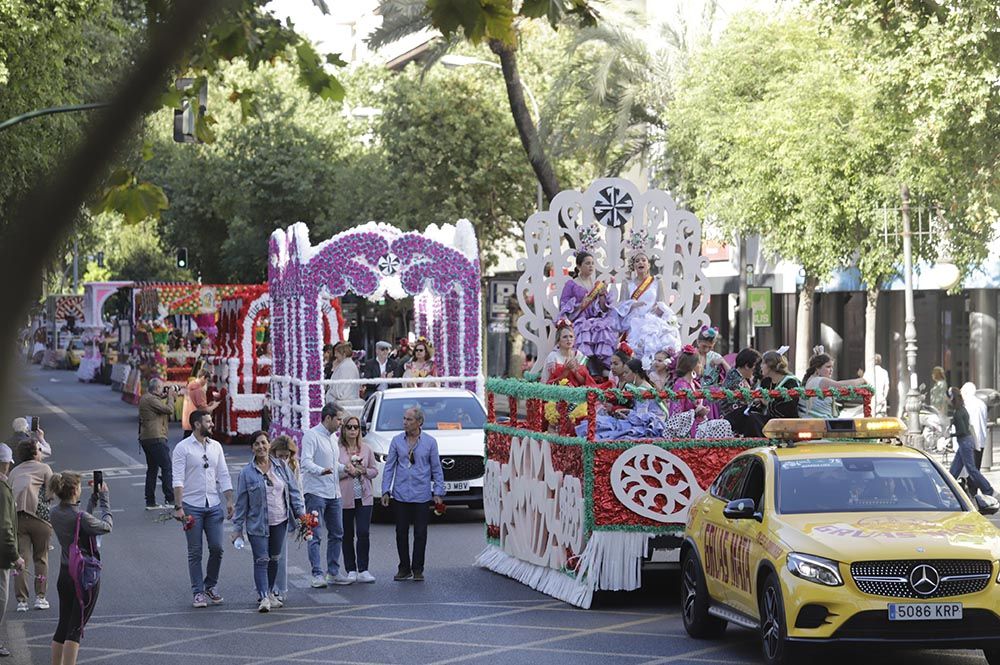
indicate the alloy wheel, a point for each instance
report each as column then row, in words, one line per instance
column 771, row 627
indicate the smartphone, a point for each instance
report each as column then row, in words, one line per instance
column 98, row 481
column 34, row 423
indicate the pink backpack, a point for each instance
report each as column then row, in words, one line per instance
column 84, row 569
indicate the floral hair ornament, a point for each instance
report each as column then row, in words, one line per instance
column 426, row 344
column 708, row 333
column 590, row 236
column 626, row 349
column 564, row 323
column 688, row 348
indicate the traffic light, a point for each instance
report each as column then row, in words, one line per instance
column 182, row 257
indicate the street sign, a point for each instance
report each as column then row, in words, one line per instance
column 500, row 293
column 759, row 301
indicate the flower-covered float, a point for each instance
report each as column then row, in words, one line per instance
column 567, row 511
column 439, row 268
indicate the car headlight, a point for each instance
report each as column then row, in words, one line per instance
column 381, row 457
column 815, row 569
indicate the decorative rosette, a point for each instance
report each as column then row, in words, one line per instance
column 590, row 236
column 638, row 241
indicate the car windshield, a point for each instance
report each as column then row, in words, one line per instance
column 439, row 412
column 862, row 485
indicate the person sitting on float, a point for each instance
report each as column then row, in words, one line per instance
column 586, row 303
column 659, row 373
column 422, row 364
column 819, row 376
column 648, row 324
column 687, row 368
column 774, row 375
column 741, row 377
column 619, row 358
column 566, row 364
column 643, row 420
column 714, row 366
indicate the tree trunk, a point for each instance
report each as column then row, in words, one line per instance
column 871, row 311
column 522, row 120
column 47, row 213
column 804, row 326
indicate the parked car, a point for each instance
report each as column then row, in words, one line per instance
column 454, row 417
column 75, row 351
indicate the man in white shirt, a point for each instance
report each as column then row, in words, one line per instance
column 878, row 379
column 321, row 469
column 978, row 419
column 200, row 474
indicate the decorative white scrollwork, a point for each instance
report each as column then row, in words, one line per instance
column 654, row 483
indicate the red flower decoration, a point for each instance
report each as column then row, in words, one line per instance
column 626, row 349
column 688, row 348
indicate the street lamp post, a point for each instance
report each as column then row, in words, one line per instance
column 911, row 408
column 455, row 61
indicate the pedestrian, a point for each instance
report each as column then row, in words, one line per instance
column 343, row 369
column 403, row 355
column 268, row 504
column 412, row 478
column 284, row 449
column 978, row 419
column 878, row 379
column 965, row 456
column 321, row 485
column 200, row 475
column 358, row 462
column 196, row 398
column 71, row 526
column 155, row 408
column 380, row 367
column 22, row 431
column 10, row 556
column 28, row 481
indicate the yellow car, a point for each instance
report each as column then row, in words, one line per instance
column 838, row 535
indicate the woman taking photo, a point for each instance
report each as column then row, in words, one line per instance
column 285, row 450
column 268, row 504
column 28, row 481
column 71, row 525
column 356, row 489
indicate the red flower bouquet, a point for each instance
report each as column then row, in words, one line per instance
column 307, row 523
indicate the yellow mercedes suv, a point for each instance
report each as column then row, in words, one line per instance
column 836, row 534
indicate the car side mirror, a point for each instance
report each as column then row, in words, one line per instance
column 740, row 509
column 987, row 505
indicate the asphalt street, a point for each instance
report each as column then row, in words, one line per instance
column 461, row 614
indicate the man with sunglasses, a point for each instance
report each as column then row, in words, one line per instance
column 413, row 477
column 200, row 474
column 321, row 471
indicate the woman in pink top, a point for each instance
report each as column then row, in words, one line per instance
column 687, row 367
column 356, row 489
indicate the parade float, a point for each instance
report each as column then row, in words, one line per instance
column 242, row 364
column 95, row 294
column 568, row 513
column 439, row 268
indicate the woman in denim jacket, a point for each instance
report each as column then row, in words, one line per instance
column 268, row 503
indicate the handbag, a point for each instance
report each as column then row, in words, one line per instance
column 42, row 510
column 84, row 568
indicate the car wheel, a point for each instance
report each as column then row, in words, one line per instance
column 694, row 601
column 773, row 633
column 992, row 656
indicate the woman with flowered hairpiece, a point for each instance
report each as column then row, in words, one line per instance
column 648, row 324
column 586, row 303
column 713, row 366
column 566, row 364
column 645, row 419
column 422, row 363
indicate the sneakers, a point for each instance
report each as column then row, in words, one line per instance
column 279, row 597
column 214, row 596
column 4, row 651
column 353, row 576
column 418, row 576
column 154, row 507
column 318, row 582
column 265, row 605
column 41, row 603
column 403, row 574
column 364, row 577
column 275, row 601
column 200, row 600
column 22, row 606
column 339, row 579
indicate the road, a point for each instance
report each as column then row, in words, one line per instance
column 461, row 614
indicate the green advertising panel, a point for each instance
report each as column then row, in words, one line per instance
column 759, row 300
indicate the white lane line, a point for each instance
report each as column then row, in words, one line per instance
column 117, row 453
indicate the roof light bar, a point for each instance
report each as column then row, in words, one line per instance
column 797, row 429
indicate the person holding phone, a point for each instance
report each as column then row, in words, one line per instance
column 321, row 470
column 28, row 481
column 30, row 428
column 155, row 408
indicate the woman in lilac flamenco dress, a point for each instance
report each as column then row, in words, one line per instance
column 587, row 304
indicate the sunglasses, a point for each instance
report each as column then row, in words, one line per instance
column 205, row 459
column 352, row 427
column 267, row 479
column 412, row 460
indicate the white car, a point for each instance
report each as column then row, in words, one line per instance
column 452, row 416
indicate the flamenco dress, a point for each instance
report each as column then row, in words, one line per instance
column 650, row 326
column 594, row 325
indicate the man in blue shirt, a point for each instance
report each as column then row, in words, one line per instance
column 413, row 477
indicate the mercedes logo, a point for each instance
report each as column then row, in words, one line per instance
column 449, row 463
column 924, row 579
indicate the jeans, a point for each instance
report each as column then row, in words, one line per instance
column 157, row 461
column 331, row 518
column 4, row 593
column 417, row 514
column 207, row 521
column 965, row 456
column 358, row 518
column 281, row 577
column 267, row 551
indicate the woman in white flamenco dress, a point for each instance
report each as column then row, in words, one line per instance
column 649, row 324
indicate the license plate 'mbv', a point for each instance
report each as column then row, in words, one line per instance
column 924, row 611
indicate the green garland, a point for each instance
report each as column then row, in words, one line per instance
column 545, row 436
column 666, row 444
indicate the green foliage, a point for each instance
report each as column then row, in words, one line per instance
column 132, row 251
column 485, row 20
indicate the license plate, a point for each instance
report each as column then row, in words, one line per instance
column 924, row 611
column 457, row 486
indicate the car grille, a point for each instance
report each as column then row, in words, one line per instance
column 464, row 467
column 957, row 577
column 875, row 624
